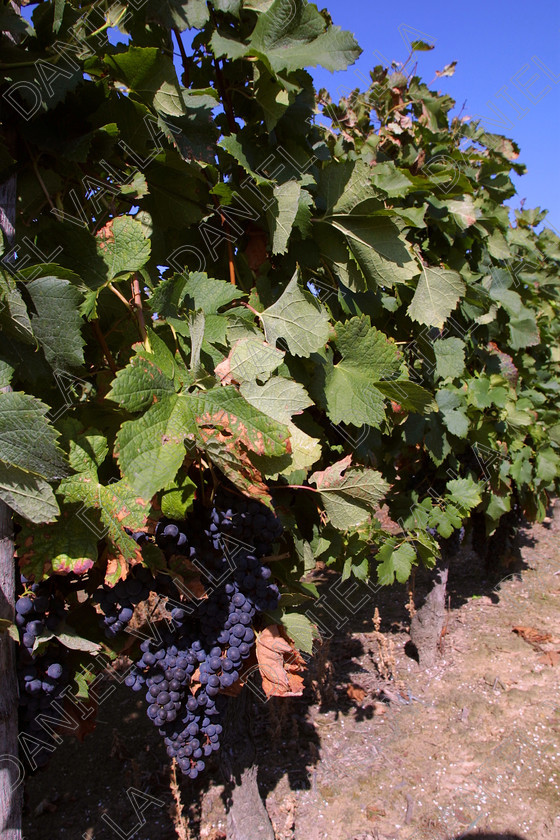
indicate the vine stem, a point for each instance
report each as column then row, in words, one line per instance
column 120, row 296
column 222, row 89
column 107, row 25
column 184, row 56
column 251, row 309
column 223, row 221
column 103, row 344
column 137, row 295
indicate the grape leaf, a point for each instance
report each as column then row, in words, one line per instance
column 281, row 398
column 249, row 359
column 300, row 630
column 409, row 395
column 278, row 397
column 151, row 448
column 394, row 562
column 123, row 246
column 349, row 494
column 57, row 322
column 292, row 34
column 367, row 356
column 450, row 357
column 59, row 548
column 437, row 294
column 139, row 384
column 283, row 213
column 280, row 664
column 177, row 498
column 207, row 293
column 299, row 319
column 453, row 412
column 28, row 441
column 29, row 495
column 378, row 248
column 464, row 492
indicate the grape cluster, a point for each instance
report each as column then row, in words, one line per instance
column 201, row 654
column 42, row 677
column 117, row 603
column 37, row 610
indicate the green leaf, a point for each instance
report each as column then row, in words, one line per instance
column 452, row 409
column 367, row 356
column 292, row 34
column 394, row 562
column 410, row 395
column 343, row 186
column 59, row 548
column 6, row 373
column 278, row 397
column 437, row 294
column 207, row 293
column 450, row 357
column 139, row 384
column 464, row 492
column 299, row 319
column 29, row 495
column 151, row 76
column 349, row 494
column 300, row 630
column 123, row 246
column 18, row 321
column 548, row 465
column 152, row 448
column 421, row 46
column 177, row 498
column 283, row 213
column 196, row 323
column 394, row 182
column 28, row 441
column 281, row 398
column 378, row 248
column 251, row 359
column 524, row 331
column 57, row 322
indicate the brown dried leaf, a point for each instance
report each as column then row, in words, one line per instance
column 223, row 371
column 280, row 664
column 356, row 692
column 531, row 635
column 118, row 567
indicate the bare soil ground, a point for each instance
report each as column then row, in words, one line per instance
column 467, row 749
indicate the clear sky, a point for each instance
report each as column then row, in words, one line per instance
column 508, row 70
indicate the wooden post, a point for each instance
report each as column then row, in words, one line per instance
column 247, row 818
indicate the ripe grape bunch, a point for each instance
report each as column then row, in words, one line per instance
column 42, row 677
column 117, row 603
column 201, row 654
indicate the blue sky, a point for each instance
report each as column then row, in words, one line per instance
column 508, row 71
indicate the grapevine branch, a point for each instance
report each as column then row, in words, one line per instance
column 103, row 344
column 137, row 296
column 184, row 56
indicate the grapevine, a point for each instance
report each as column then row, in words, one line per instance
column 237, row 319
